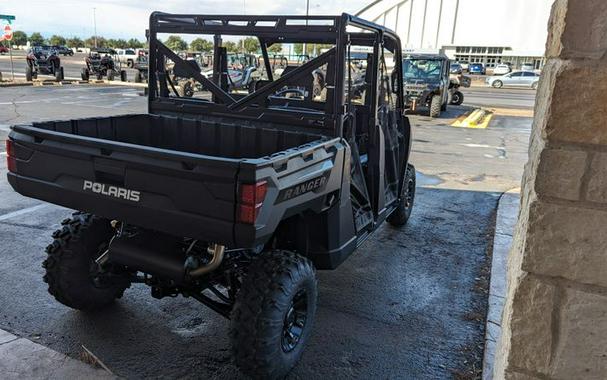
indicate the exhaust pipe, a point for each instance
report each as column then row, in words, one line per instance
column 160, row 255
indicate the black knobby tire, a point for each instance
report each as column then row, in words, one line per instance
column 28, row 73
column 84, row 74
column 59, row 74
column 138, row 78
column 457, row 98
column 71, row 273
column 269, row 314
column 99, row 76
column 186, row 89
column 110, row 74
column 122, row 76
column 435, row 106
column 402, row 213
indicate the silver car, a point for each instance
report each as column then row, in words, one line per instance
column 515, row 79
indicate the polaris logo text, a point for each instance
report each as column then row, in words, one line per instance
column 112, row 191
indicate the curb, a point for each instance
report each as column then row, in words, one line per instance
column 507, row 216
column 50, row 82
column 23, row 359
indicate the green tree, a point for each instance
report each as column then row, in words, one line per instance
column 74, row 42
column 176, row 43
column 90, row 42
column 19, row 38
column 56, row 40
column 251, row 44
column 117, row 44
column 36, row 39
column 200, row 44
column 275, row 48
column 135, row 43
column 230, row 46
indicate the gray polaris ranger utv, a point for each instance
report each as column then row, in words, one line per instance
column 230, row 198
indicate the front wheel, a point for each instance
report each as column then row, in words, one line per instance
column 498, row 84
column 72, row 275
column 29, row 75
column 435, row 106
column 400, row 216
column 122, row 76
column 273, row 314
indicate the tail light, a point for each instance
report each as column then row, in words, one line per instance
column 251, row 198
column 11, row 161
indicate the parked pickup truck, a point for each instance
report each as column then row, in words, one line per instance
column 127, row 57
column 231, row 198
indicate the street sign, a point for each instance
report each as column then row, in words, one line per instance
column 8, row 33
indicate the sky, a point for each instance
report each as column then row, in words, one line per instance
column 129, row 18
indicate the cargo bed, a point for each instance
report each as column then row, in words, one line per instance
column 150, row 170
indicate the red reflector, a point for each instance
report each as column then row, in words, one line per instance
column 11, row 161
column 251, row 199
column 11, row 164
column 9, row 148
column 252, row 194
column 248, row 214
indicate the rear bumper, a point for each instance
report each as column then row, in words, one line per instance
column 171, row 221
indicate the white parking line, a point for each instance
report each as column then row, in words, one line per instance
column 22, row 212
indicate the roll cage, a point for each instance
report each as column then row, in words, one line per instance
column 326, row 117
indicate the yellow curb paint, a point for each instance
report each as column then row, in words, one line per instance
column 478, row 119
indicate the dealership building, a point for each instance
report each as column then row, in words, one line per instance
column 485, row 31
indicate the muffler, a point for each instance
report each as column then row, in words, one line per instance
column 160, row 255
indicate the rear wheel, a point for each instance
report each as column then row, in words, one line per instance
column 435, row 106
column 457, row 98
column 110, row 74
column 122, row 76
column 84, row 73
column 401, row 214
column 138, row 78
column 72, row 275
column 273, row 314
column 498, row 84
column 99, row 76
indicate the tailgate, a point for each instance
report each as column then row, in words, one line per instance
column 175, row 192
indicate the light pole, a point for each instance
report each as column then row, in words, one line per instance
column 95, row 26
column 305, row 50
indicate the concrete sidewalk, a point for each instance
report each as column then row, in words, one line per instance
column 507, row 215
column 24, row 359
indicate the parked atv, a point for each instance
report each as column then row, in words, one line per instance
column 141, row 65
column 235, row 200
column 456, row 97
column 43, row 60
column 103, row 63
column 426, row 82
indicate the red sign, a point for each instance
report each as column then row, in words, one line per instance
column 8, row 32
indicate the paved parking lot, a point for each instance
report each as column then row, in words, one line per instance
column 408, row 304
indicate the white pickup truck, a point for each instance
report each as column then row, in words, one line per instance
column 127, row 56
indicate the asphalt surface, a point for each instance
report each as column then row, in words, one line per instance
column 410, row 303
column 515, row 98
column 72, row 66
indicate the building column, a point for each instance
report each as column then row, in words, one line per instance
column 555, row 319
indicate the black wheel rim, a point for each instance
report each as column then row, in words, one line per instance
column 295, row 321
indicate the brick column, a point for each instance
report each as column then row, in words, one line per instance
column 555, row 319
